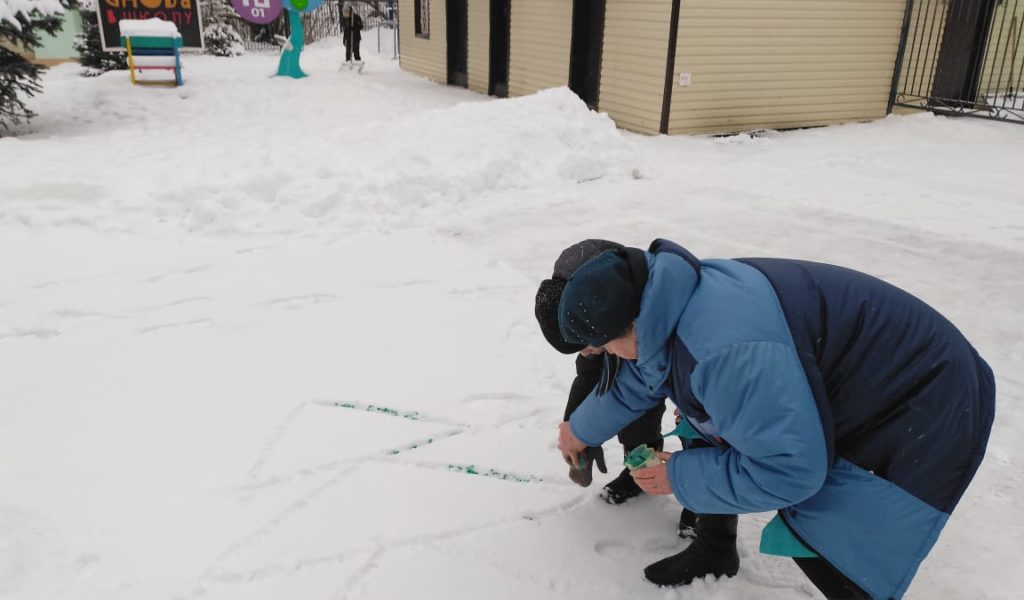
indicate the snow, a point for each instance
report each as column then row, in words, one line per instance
column 148, row 27
column 154, row 61
column 267, row 338
column 10, row 9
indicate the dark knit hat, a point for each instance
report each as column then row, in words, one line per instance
column 602, row 297
column 549, row 294
column 575, row 256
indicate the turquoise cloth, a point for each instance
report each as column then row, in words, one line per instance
column 684, row 430
column 778, row 539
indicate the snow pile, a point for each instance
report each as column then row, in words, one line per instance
column 425, row 165
column 152, row 27
column 346, row 156
column 10, row 9
column 549, row 137
column 410, row 169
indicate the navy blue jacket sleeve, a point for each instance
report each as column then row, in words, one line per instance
column 600, row 417
column 758, row 398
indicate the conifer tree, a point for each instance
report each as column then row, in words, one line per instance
column 21, row 23
column 90, row 48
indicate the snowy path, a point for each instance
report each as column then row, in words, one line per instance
column 275, row 339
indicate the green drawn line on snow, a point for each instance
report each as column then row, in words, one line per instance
column 503, row 475
column 411, row 415
column 422, row 442
column 373, row 408
column 411, row 446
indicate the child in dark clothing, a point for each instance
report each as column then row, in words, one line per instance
column 713, row 550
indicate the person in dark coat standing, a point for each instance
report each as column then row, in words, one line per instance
column 852, row 408
column 351, row 32
column 712, row 550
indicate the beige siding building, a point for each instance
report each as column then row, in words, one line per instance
column 636, row 38
column 772, row 64
column 668, row 66
column 539, row 49
column 423, row 52
column 478, row 44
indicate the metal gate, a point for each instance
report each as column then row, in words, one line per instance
column 320, row 23
column 962, row 57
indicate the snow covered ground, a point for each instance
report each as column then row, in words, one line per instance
column 264, row 338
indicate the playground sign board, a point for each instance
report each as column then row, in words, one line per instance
column 260, row 12
column 184, row 14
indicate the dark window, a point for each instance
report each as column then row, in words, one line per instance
column 422, row 10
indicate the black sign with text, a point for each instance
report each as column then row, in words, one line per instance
column 184, row 14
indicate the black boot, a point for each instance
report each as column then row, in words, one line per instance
column 687, row 525
column 712, row 553
column 621, row 488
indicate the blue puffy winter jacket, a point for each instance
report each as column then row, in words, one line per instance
column 848, row 405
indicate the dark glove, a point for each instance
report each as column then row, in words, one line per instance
column 583, row 475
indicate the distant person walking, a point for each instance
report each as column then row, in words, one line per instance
column 351, row 33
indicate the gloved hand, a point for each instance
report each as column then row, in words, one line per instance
column 582, row 473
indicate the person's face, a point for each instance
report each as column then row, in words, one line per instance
column 624, row 346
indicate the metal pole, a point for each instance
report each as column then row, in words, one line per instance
column 916, row 50
column 1009, row 38
column 1020, row 75
column 989, row 45
column 898, row 69
column 931, row 68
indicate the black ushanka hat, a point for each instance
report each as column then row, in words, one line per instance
column 545, row 308
column 549, row 294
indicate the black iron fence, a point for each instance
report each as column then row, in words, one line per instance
column 320, row 23
column 963, row 57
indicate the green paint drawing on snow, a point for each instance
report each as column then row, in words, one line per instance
column 416, row 445
column 504, row 476
column 383, row 410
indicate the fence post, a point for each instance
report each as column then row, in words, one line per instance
column 898, row 70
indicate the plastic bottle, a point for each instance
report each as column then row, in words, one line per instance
column 641, row 457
